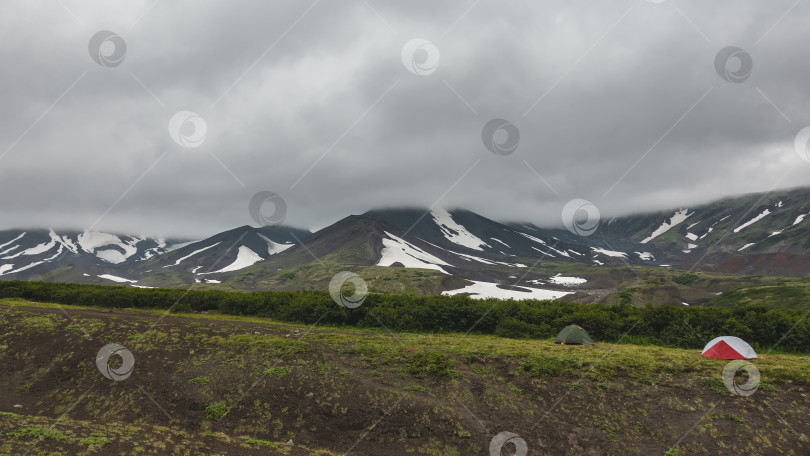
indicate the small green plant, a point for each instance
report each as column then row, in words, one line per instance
column 736, row 418
column 277, row 371
column 95, row 438
column 715, row 385
column 573, row 386
column 198, row 381
column 433, row 363
column 216, row 410
column 38, row 433
column 672, row 452
column 417, row 388
column 261, row 443
column 686, row 279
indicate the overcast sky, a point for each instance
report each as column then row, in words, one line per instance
column 327, row 105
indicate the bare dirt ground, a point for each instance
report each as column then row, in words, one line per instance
column 332, row 391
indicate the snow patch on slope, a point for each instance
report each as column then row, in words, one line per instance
column 13, row 240
column 116, row 278
column 610, row 253
column 194, row 253
column 397, row 250
column 677, row 218
column 752, row 221
column 244, row 258
column 454, row 232
column 559, row 279
column 484, row 290
column 274, row 247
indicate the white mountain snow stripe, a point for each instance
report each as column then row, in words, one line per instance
column 529, row 236
column 691, row 236
column 752, row 221
column 484, row 290
column 5, row 268
column 746, row 246
column 25, row 268
column 273, row 247
column 39, row 248
column 799, row 219
column 560, row 279
column 645, row 256
column 494, row 239
column 544, row 253
column 10, row 249
column 195, row 252
column 454, row 232
column 99, row 244
column 397, row 250
column 677, row 218
column 478, row 259
column 610, row 253
column 13, row 240
column 116, row 278
column 244, row 258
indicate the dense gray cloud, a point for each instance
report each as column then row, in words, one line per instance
column 313, row 102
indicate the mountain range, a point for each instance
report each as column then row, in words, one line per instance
column 433, row 251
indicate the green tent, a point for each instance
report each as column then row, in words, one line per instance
column 573, row 335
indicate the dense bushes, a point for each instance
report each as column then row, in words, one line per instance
column 688, row 327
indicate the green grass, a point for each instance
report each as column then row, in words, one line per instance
column 216, row 410
column 278, row 371
column 96, row 438
column 37, row 433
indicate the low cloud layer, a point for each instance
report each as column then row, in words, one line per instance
column 617, row 102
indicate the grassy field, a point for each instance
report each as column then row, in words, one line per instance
column 214, row 384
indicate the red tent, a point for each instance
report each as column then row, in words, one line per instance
column 728, row 347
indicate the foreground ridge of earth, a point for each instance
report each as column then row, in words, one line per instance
column 210, row 385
